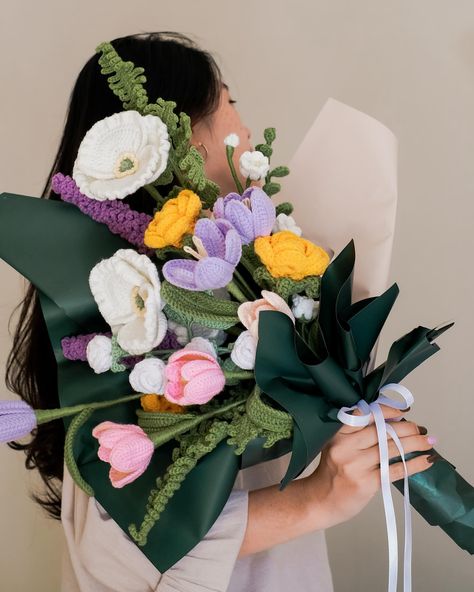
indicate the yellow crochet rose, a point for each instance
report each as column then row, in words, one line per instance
column 177, row 217
column 159, row 403
column 285, row 254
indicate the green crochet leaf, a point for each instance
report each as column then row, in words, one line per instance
column 279, row 171
column 271, row 188
column 269, row 134
column 182, row 136
column 284, row 208
column 265, row 149
column 126, row 81
column 199, row 307
column 165, row 111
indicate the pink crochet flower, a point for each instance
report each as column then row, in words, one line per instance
column 126, row 447
column 194, row 377
column 248, row 311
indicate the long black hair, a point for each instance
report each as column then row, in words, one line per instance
column 176, row 69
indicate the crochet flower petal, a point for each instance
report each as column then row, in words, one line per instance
column 201, row 389
column 195, row 367
column 212, row 272
column 263, row 212
column 233, row 247
column 180, row 272
column 131, row 453
column 212, row 238
column 109, row 433
column 240, row 216
column 119, row 479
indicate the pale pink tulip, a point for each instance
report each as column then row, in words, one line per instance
column 126, row 447
column 248, row 311
column 193, row 377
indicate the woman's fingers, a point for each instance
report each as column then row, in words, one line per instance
column 368, row 437
column 371, row 456
column 414, row 465
column 388, row 413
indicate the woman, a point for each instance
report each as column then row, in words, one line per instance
column 264, row 538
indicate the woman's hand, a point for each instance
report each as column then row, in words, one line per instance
column 348, row 475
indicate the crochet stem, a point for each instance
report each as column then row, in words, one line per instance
column 234, row 289
column 45, row 415
column 71, row 464
column 239, row 375
column 156, row 195
column 244, row 284
column 169, row 433
column 229, row 150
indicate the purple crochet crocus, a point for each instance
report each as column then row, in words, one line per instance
column 17, row 419
column 115, row 214
column 252, row 214
column 219, row 249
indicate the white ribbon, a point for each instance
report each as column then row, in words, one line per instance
column 383, row 427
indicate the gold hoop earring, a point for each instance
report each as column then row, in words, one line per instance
column 205, row 150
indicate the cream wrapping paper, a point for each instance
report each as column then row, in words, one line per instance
column 343, row 184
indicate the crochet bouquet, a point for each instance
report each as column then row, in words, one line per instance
column 201, row 340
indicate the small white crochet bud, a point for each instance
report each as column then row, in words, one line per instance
column 254, row 165
column 232, row 140
column 148, row 376
column 285, row 222
column 244, row 351
column 304, row 308
column 99, row 353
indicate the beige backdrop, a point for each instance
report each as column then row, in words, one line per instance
column 409, row 64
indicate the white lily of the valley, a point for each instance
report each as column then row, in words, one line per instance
column 254, row 165
column 126, row 288
column 286, row 222
column 232, row 140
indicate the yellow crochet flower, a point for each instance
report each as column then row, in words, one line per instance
column 285, row 254
column 176, row 218
column 158, row 403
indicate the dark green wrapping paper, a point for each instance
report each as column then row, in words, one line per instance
column 55, row 246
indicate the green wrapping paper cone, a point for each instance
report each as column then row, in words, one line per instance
column 313, row 383
column 55, row 246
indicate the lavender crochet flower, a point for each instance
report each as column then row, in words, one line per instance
column 252, row 214
column 17, row 419
column 219, row 249
column 117, row 215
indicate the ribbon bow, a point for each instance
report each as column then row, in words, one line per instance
column 384, row 428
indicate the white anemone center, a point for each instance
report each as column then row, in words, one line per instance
column 127, row 164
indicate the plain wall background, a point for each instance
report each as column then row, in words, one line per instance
column 409, row 64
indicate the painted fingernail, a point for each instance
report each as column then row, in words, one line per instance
column 405, row 410
column 432, row 439
column 432, row 458
column 423, row 430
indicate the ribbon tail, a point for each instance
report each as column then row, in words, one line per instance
column 387, row 498
column 407, row 554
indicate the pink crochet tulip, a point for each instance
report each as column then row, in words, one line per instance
column 194, row 377
column 248, row 311
column 126, row 447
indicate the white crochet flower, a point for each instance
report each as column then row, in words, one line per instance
column 148, row 376
column 202, row 345
column 99, row 353
column 254, row 165
column 285, row 222
column 244, row 350
column 126, row 288
column 304, row 307
column 232, row 140
column 120, row 154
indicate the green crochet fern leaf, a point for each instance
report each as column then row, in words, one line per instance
column 127, row 80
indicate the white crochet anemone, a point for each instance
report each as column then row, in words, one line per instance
column 120, row 154
column 126, row 288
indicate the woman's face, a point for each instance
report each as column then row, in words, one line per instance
column 224, row 121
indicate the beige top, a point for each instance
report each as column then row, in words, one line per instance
column 351, row 162
column 100, row 557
